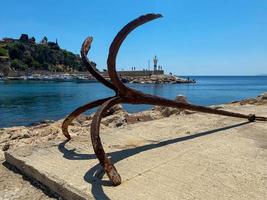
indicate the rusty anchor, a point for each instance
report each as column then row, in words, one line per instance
column 124, row 94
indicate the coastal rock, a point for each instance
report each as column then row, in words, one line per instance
column 114, row 117
column 132, row 119
column 43, row 122
column 263, row 96
column 168, row 111
column 82, row 118
column 262, row 99
column 49, row 131
column 22, row 134
column 181, row 98
column 47, row 121
column 114, row 120
column 259, row 100
column 116, row 109
column 6, row 147
column 158, row 79
column 119, row 124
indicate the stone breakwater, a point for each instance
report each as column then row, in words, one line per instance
column 158, row 79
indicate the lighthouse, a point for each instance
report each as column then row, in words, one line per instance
column 155, row 60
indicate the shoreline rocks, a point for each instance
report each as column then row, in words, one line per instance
column 158, row 79
column 49, row 131
column 259, row 100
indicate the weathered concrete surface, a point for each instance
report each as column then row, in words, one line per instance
column 180, row 157
column 14, row 186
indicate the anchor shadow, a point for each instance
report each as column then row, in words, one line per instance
column 95, row 174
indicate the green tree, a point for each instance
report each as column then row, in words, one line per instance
column 18, row 65
column 35, row 65
column 27, row 58
column 25, row 55
column 16, row 50
column 3, row 52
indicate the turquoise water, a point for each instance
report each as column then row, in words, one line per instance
column 23, row 103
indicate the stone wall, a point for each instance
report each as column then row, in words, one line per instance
column 137, row 73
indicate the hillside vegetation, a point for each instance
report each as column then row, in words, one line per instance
column 25, row 54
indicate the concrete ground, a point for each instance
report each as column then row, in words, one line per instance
column 14, row 186
column 196, row 156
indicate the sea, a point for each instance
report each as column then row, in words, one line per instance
column 28, row 102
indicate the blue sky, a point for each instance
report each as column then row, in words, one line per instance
column 207, row 37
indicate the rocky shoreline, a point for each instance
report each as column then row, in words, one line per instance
column 48, row 130
column 159, row 79
column 153, row 79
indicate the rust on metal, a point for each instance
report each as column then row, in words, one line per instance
column 124, row 94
